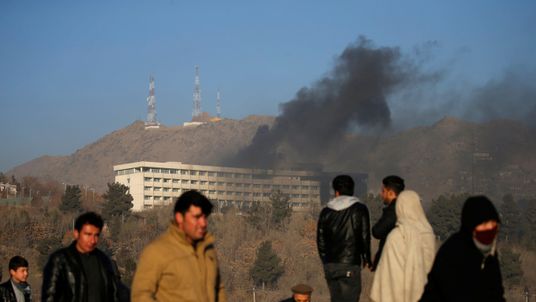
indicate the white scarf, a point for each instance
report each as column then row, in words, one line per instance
column 408, row 254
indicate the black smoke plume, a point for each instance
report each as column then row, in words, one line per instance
column 353, row 96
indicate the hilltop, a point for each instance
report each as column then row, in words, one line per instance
column 451, row 155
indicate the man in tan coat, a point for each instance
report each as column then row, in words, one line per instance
column 181, row 264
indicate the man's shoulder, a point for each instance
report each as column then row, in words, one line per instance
column 358, row 206
column 63, row 252
column 163, row 245
column 5, row 285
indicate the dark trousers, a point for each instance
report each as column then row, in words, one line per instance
column 344, row 281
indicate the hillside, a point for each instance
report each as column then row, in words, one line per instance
column 450, row 156
column 92, row 165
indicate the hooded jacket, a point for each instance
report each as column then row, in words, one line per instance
column 461, row 272
column 343, row 232
column 171, row 269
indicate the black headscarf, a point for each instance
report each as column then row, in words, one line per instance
column 477, row 209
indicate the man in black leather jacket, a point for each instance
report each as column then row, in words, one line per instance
column 343, row 241
column 80, row 272
column 391, row 186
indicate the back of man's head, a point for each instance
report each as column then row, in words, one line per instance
column 194, row 198
column 91, row 218
column 16, row 262
column 394, row 183
column 344, row 184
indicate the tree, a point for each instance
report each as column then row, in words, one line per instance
column 510, row 266
column 117, row 201
column 267, row 268
column 510, row 218
column 281, row 209
column 529, row 219
column 445, row 214
column 258, row 215
column 70, row 201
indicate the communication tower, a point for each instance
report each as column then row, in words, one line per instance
column 197, row 94
column 151, row 107
column 218, row 104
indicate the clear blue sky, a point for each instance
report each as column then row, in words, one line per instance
column 74, row 71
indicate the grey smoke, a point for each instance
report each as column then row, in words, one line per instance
column 351, row 96
column 375, row 91
column 513, row 96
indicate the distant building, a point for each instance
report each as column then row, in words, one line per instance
column 159, row 183
column 156, row 183
column 8, row 190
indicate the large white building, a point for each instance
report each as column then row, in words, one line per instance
column 159, row 183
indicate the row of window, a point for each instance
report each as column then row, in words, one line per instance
column 229, row 184
column 219, row 202
column 198, row 173
column 239, row 194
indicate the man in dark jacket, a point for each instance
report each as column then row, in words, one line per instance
column 16, row 289
column 391, row 186
column 80, row 272
column 343, row 241
column 466, row 267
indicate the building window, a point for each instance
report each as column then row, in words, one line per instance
column 147, row 179
column 202, row 173
column 175, row 190
column 156, row 179
column 147, row 188
column 175, row 181
column 185, row 181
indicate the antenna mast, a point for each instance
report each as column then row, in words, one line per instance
column 197, row 94
column 218, row 104
column 151, row 107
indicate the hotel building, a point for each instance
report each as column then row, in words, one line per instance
column 159, row 183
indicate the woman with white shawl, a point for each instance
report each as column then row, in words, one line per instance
column 408, row 254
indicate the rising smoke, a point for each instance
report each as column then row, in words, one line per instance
column 373, row 91
column 353, row 96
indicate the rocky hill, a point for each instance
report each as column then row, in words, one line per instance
column 450, row 156
column 92, row 165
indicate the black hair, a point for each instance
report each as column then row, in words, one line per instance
column 394, row 183
column 193, row 198
column 91, row 218
column 344, row 184
column 16, row 262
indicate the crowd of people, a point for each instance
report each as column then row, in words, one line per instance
column 182, row 264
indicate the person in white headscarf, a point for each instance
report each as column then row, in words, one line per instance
column 408, row 254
